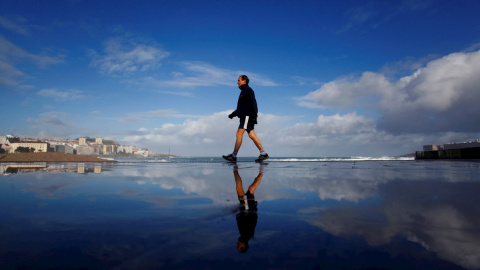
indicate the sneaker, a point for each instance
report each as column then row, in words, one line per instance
column 249, row 195
column 262, row 158
column 230, row 158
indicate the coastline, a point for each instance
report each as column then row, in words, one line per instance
column 49, row 157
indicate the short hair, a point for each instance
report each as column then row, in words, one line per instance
column 245, row 78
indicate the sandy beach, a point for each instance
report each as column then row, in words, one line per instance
column 49, row 157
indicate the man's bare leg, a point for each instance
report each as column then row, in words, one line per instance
column 255, row 140
column 255, row 183
column 238, row 142
column 238, row 184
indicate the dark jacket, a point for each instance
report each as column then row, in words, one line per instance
column 247, row 104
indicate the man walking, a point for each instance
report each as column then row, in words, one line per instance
column 247, row 112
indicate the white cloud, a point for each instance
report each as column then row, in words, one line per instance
column 15, row 24
column 55, row 124
column 326, row 131
column 211, row 75
column 346, row 124
column 195, row 73
column 192, row 136
column 213, row 135
column 336, row 135
column 348, row 91
column 305, row 81
column 11, row 55
column 59, row 95
column 176, row 93
column 373, row 14
column 152, row 115
column 51, row 118
column 10, row 76
column 358, row 16
column 124, row 57
column 445, row 81
column 432, row 99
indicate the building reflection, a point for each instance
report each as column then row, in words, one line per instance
column 80, row 168
column 247, row 210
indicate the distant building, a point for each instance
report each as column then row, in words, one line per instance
column 451, row 146
column 127, row 149
column 81, row 146
column 430, row 147
column 109, row 149
column 85, row 150
column 38, row 146
column 461, row 145
column 142, row 152
column 63, row 148
column 82, row 141
column 460, row 150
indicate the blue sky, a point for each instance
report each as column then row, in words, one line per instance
column 332, row 78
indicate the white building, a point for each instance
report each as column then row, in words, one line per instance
column 127, row 149
column 82, row 141
column 39, row 146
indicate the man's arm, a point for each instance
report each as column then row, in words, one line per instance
column 253, row 104
column 233, row 114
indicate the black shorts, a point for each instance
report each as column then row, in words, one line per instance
column 247, row 123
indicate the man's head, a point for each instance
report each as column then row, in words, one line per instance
column 242, row 247
column 243, row 79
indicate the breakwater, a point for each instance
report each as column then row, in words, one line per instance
column 462, row 153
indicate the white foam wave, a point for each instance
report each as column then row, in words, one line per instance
column 330, row 159
column 272, row 159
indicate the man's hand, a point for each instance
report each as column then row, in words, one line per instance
column 231, row 116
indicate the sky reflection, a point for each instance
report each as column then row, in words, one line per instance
column 419, row 215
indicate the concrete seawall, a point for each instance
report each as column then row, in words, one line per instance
column 463, row 153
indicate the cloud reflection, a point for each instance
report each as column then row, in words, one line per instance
column 439, row 216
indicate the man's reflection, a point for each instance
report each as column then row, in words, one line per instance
column 247, row 215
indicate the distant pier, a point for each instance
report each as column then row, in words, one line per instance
column 466, row 150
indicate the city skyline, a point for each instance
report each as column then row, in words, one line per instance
column 332, row 78
column 84, row 145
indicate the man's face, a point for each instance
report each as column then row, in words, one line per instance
column 241, row 82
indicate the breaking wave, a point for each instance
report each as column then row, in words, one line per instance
column 252, row 159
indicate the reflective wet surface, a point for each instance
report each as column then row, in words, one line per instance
column 281, row 215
